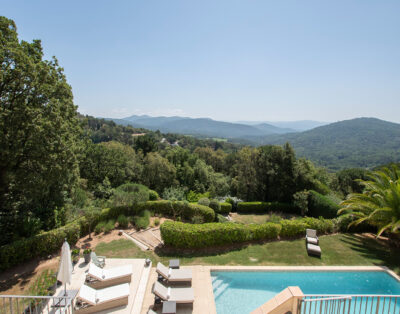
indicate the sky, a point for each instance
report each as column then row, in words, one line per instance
column 228, row 60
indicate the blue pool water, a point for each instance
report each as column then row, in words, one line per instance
column 243, row 292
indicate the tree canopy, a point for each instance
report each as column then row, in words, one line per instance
column 40, row 133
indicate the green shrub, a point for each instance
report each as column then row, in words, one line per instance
column 321, row 206
column 215, row 205
column 221, row 218
column 225, row 208
column 156, row 221
column 197, row 219
column 100, row 227
column 265, row 207
column 181, row 235
column 40, row 245
column 109, row 226
column 293, row 228
column 322, row 225
column 174, row 193
column 183, row 210
column 128, row 194
column 343, row 222
column 142, row 221
column 204, row 201
column 123, row 221
column 193, row 197
column 153, row 195
column 274, row 218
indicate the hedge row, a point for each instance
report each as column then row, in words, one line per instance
column 265, row 207
column 46, row 243
column 319, row 205
column 184, row 210
column 40, row 245
column 225, row 209
column 181, row 235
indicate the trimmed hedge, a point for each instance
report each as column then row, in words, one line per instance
column 321, row 206
column 40, row 245
column 46, row 243
column 181, row 209
column 225, row 209
column 181, row 235
column 265, row 207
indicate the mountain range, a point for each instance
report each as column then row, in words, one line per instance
column 360, row 142
column 204, row 127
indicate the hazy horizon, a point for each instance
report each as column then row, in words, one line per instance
column 225, row 60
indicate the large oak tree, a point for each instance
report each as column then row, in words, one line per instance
column 39, row 133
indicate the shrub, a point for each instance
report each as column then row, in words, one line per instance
column 100, row 227
column 215, row 205
column 274, row 218
column 143, row 220
column 181, row 235
column 204, row 201
column 319, row 205
column 183, row 210
column 123, row 222
column 194, row 197
column 293, row 228
column 174, row 193
column 265, row 207
column 153, row 195
column 221, row 218
column 197, row 219
column 128, row 194
column 40, row 245
column 156, row 221
column 225, row 208
column 109, row 226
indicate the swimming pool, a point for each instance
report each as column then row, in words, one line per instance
column 243, row 292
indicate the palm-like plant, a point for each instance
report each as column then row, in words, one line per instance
column 379, row 204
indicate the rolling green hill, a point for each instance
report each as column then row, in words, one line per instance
column 361, row 142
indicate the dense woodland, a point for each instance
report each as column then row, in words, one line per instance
column 57, row 165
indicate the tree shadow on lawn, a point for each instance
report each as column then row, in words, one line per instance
column 374, row 250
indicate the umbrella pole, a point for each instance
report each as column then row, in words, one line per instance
column 65, row 290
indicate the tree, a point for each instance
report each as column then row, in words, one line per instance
column 158, row 172
column 379, row 204
column 146, row 143
column 113, row 160
column 39, row 137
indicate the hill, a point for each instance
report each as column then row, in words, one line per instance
column 201, row 126
column 290, row 126
column 361, row 142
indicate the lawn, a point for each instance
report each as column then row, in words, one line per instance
column 339, row 249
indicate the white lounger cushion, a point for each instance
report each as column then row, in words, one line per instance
column 311, row 233
column 179, row 295
column 107, row 274
column 174, row 274
column 94, row 297
column 312, row 240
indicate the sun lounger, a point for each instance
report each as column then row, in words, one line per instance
column 100, row 278
column 311, row 236
column 90, row 300
column 174, row 275
column 179, row 295
column 313, row 249
column 99, row 261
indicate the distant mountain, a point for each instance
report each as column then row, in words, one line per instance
column 294, row 126
column 361, row 142
column 201, row 126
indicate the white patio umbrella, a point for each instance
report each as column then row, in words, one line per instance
column 65, row 271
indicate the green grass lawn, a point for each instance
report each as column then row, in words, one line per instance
column 340, row 249
column 256, row 218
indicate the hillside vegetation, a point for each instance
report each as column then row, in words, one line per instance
column 361, row 142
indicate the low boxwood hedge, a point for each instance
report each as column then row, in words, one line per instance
column 319, row 205
column 182, row 235
column 265, row 207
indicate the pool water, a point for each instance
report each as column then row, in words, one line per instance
column 243, row 292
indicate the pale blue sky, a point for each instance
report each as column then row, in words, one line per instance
column 228, row 60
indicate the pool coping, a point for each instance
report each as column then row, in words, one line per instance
column 304, row 268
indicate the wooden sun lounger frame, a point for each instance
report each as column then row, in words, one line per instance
column 100, row 284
